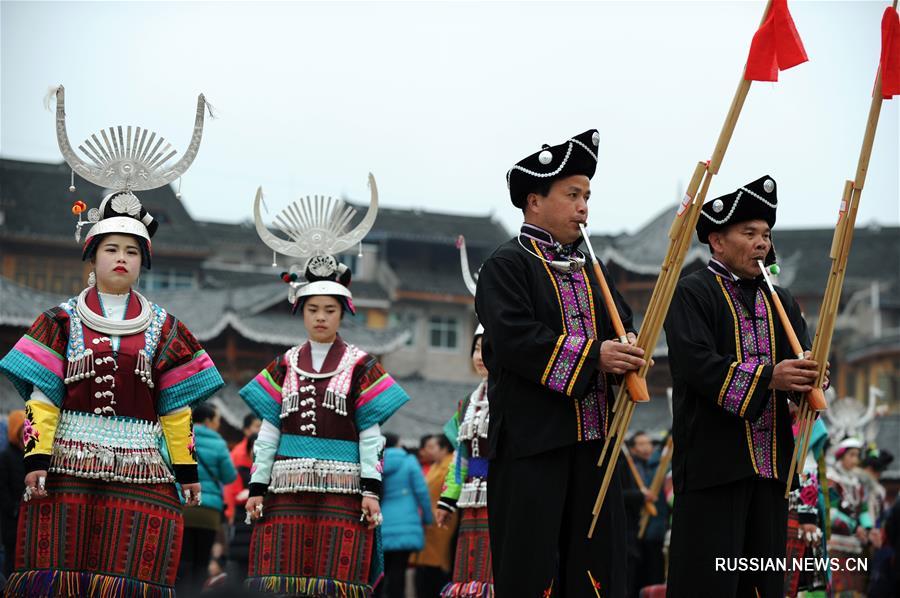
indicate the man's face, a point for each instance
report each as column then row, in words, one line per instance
column 740, row 245
column 563, row 209
column 642, row 448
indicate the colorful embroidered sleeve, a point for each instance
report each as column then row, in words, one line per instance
column 451, row 428
column 37, row 360
column 41, row 420
column 178, row 431
column 738, row 387
column 186, row 374
column 263, row 393
column 452, row 488
column 378, row 396
column 565, row 363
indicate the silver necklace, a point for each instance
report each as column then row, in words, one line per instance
column 573, row 264
column 109, row 326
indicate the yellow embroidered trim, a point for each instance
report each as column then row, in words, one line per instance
column 584, row 353
column 750, row 447
column 746, row 402
column 559, row 343
column 727, row 382
column 737, row 332
column 562, row 313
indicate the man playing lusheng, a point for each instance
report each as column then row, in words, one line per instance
column 733, row 373
column 548, row 349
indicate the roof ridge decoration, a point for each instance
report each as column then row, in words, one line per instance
column 126, row 159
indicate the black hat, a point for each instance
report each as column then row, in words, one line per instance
column 754, row 201
column 577, row 155
column 877, row 459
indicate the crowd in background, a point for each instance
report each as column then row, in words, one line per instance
column 418, row 554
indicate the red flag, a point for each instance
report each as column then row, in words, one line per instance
column 890, row 53
column 776, row 45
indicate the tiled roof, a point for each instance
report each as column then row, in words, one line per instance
column 36, row 205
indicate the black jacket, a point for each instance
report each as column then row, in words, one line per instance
column 519, row 301
column 722, row 404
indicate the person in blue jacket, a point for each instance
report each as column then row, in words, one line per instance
column 202, row 523
column 406, row 507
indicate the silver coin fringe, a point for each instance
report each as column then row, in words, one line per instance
column 315, row 475
column 109, row 449
column 80, row 366
column 336, row 401
column 473, row 494
column 144, row 369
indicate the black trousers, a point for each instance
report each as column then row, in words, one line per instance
column 714, row 528
column 393, row 585
column 539, row 511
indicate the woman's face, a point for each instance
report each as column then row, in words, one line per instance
column 850, row 458
column 322, row 317
column 117, row 263
column 477, row 362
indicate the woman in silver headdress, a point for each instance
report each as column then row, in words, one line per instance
column 316, row 481
column 108, row 377
column 465, row 487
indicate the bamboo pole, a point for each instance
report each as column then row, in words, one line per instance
column 840, row 251
column 638, row 480
column 659, row 478
column 637, row 387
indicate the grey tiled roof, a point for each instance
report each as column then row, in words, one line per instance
column 36, row 205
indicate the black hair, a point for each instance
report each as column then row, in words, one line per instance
column 203, row 412
column 443, row 442
column 90, row 250
column 475, row 341
column 248, row 420
column 251, row 440
column 541, row 187
column 634, row 436
column 424, row 440
column 391, row 440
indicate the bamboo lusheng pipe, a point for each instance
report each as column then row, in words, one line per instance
column 652, row 326
column 639, row 481
column 681, row 235
column 815, row 397
column 840, row 251
column 637, row 387
column 656, row 484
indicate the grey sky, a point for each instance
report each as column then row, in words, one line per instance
column 439, row 99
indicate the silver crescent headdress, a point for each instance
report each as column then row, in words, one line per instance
column 126, row 160
column 467, row 273
column 316, row 230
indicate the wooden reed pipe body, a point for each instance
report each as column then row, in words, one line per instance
column 815, row 397
column 637, row 386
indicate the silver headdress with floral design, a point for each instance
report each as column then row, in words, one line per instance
column 123, row 160
column 316, row 227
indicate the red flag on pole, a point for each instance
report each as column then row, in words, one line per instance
column 776, row 45
column 890, row 53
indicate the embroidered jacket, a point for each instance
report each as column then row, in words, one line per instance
column 100, row 410
column 318, row 432
column 543, row 330
column 724, row 338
